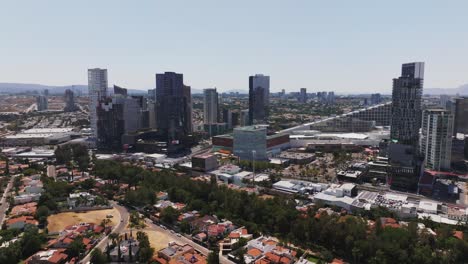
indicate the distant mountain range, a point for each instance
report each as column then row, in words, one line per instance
column 461, row 90
column 16, row 88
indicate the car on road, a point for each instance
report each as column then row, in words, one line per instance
column 178, row 235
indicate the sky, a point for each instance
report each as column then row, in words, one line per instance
column 342, row 46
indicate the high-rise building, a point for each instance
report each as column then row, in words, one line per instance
column 117, row 115
column 404, row 160
column 259, row 98
column 152, row 114
column 42, row 103
column 331, row 98
column 436, row 138
column 70, row 105
column 97, row 89
column 227, row 117
column 406, row 104
column 375, row 99
column 210, row 106
column 244, row 117
column 461, row 115
column 173, row 107
column 235, row 118
column 303, row 95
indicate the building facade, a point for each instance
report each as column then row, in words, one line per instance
column 405, row 162
column 436, row 138
column 303, row 96
column 210, row 106
column 97, row 89
column 69, row 97
column 42, row 103
column 173, row 107
column 259, row 98
column 461, row 116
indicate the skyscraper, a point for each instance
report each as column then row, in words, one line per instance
column 259, row 98
column 117, row 115
column 69, row 97
column 461, row 116
column 375, row 99
column 436, row 138
column 97, row 89
column 303, row 95
column 405, row 163
column 406, row 104
column 173, row 107
column 210, row 106
column 42, row 103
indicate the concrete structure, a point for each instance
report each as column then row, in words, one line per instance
column 42, row 103
column 210, row 106
column 69, row 98
column 303, row 95
column 259, row 98
column 204, row 163
column 97, row 89
column 436, row 138
column 40, row 136
column 252, row 143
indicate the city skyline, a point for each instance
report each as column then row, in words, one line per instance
column 310, row 43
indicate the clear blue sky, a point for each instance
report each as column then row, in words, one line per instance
column 346, row 46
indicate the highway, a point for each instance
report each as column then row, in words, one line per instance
column 124, row 218
column 4, row 203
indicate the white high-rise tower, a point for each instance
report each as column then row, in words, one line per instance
column 210, row 106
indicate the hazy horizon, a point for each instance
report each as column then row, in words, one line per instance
column 348, row 47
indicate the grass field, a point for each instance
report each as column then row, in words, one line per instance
column 58, row 222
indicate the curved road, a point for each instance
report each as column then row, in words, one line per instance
column 124, row 218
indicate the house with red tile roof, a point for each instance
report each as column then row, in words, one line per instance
column 21, row 222
column 24, row 209
column 52, row 256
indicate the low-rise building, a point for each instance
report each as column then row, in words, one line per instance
column 51, row 256
column 204, row 163
column 21, row 222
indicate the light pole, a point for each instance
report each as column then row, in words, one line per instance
column 253, row 166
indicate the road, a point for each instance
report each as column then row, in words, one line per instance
column 4, row 204
column 124, row 218
column 184, row 240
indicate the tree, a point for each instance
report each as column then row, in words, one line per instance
column 42, row 213
column 97, row 257
column 31, row 241
column 146, row 252
column 213, row 257
column 76, row 247
column 169, row 215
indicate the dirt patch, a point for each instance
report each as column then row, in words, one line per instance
column 158, row 240
column 58, row 222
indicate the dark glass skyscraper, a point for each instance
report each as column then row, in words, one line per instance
column 173, row 107
column 405, row 123
column 406, row 104
column 259, row 98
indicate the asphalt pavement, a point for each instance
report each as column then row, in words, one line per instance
column 4, row 204
column 119, row 228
